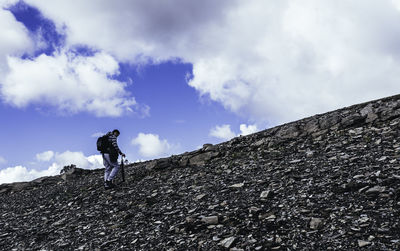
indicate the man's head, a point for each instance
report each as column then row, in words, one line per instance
column 116, row 133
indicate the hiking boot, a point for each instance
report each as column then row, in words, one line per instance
column 108, row 184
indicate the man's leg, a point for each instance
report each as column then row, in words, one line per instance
column 107, row 165
column 114, row 171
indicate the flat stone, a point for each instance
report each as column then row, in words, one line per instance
column 210, row 220
column 362, row 243
column 239, row 185
column 259, row 143
column 227, row 242
column 375, row 189
column 315, row 223
column 309, row 154
column 264, row 194
column 200, row 196
column 201, row 159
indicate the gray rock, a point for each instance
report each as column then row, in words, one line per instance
column 367, row 110
column 209, row 147
column 265, row 194
column 309, row 154
column 362, row 243
column 201, row 159
column 184, row 161
column 259, row 143
column 158, row 164
column 352, row 120
column 329, row 121
column 238, row 185
column 288, row 131
column 371, row 117
column 376, row 189
column 210, row 220
column 311, row 126
column 227, row 242
column 316, row 223
column 68, row 173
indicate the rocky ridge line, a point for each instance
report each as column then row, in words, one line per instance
column 327, row 182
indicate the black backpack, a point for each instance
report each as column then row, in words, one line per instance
column 102, row 143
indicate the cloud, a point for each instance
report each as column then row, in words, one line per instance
column 225, row 132
column 45, row 156
column 97, row 134
column 21, row 173
column 95, row 161
column 248, row 129
column 303, row 58
column 137, row 30
column 14, row 40
column 2, row 160
column 70, row 82
column 270, row 61
column 78, row 159
column 65, row 80
column 68, row 158
column 150, row 145
column 222, row 132
column 396, row 3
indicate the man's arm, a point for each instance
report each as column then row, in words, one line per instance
column 114, row 144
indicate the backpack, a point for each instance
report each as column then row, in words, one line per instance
column 102, row 143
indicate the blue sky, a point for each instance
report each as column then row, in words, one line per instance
column 176, row 74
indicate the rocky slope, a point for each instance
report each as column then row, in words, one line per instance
column 328, row 182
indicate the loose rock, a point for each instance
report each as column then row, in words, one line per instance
column 327, row 182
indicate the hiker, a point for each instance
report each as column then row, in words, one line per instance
column 110, row 158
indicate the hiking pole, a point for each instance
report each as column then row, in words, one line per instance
column 122, row 169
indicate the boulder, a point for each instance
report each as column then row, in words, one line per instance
column 288, row 131
column 202, row 158
column 158, row 164
column 72, row 173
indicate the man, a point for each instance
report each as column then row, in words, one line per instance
column 110, row 159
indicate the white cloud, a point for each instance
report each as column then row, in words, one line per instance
column 97, row 134
column 396, row 3
column 14, row 37
column 270, row 61
column 225, row 132
column 222, row 132
column 78, row 159
column 95, row 161
column 150, row 145
column 68, row 158
column 45, row 156
column 71, row 83
column 68, row 82
column 248, row 129
column 21, row 173
column 2, row 160
column 7, row 3
column 303, row 58
column 136, row 30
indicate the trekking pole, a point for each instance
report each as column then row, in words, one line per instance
column 122, row 169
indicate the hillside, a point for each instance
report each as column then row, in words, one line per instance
column 327, row 182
